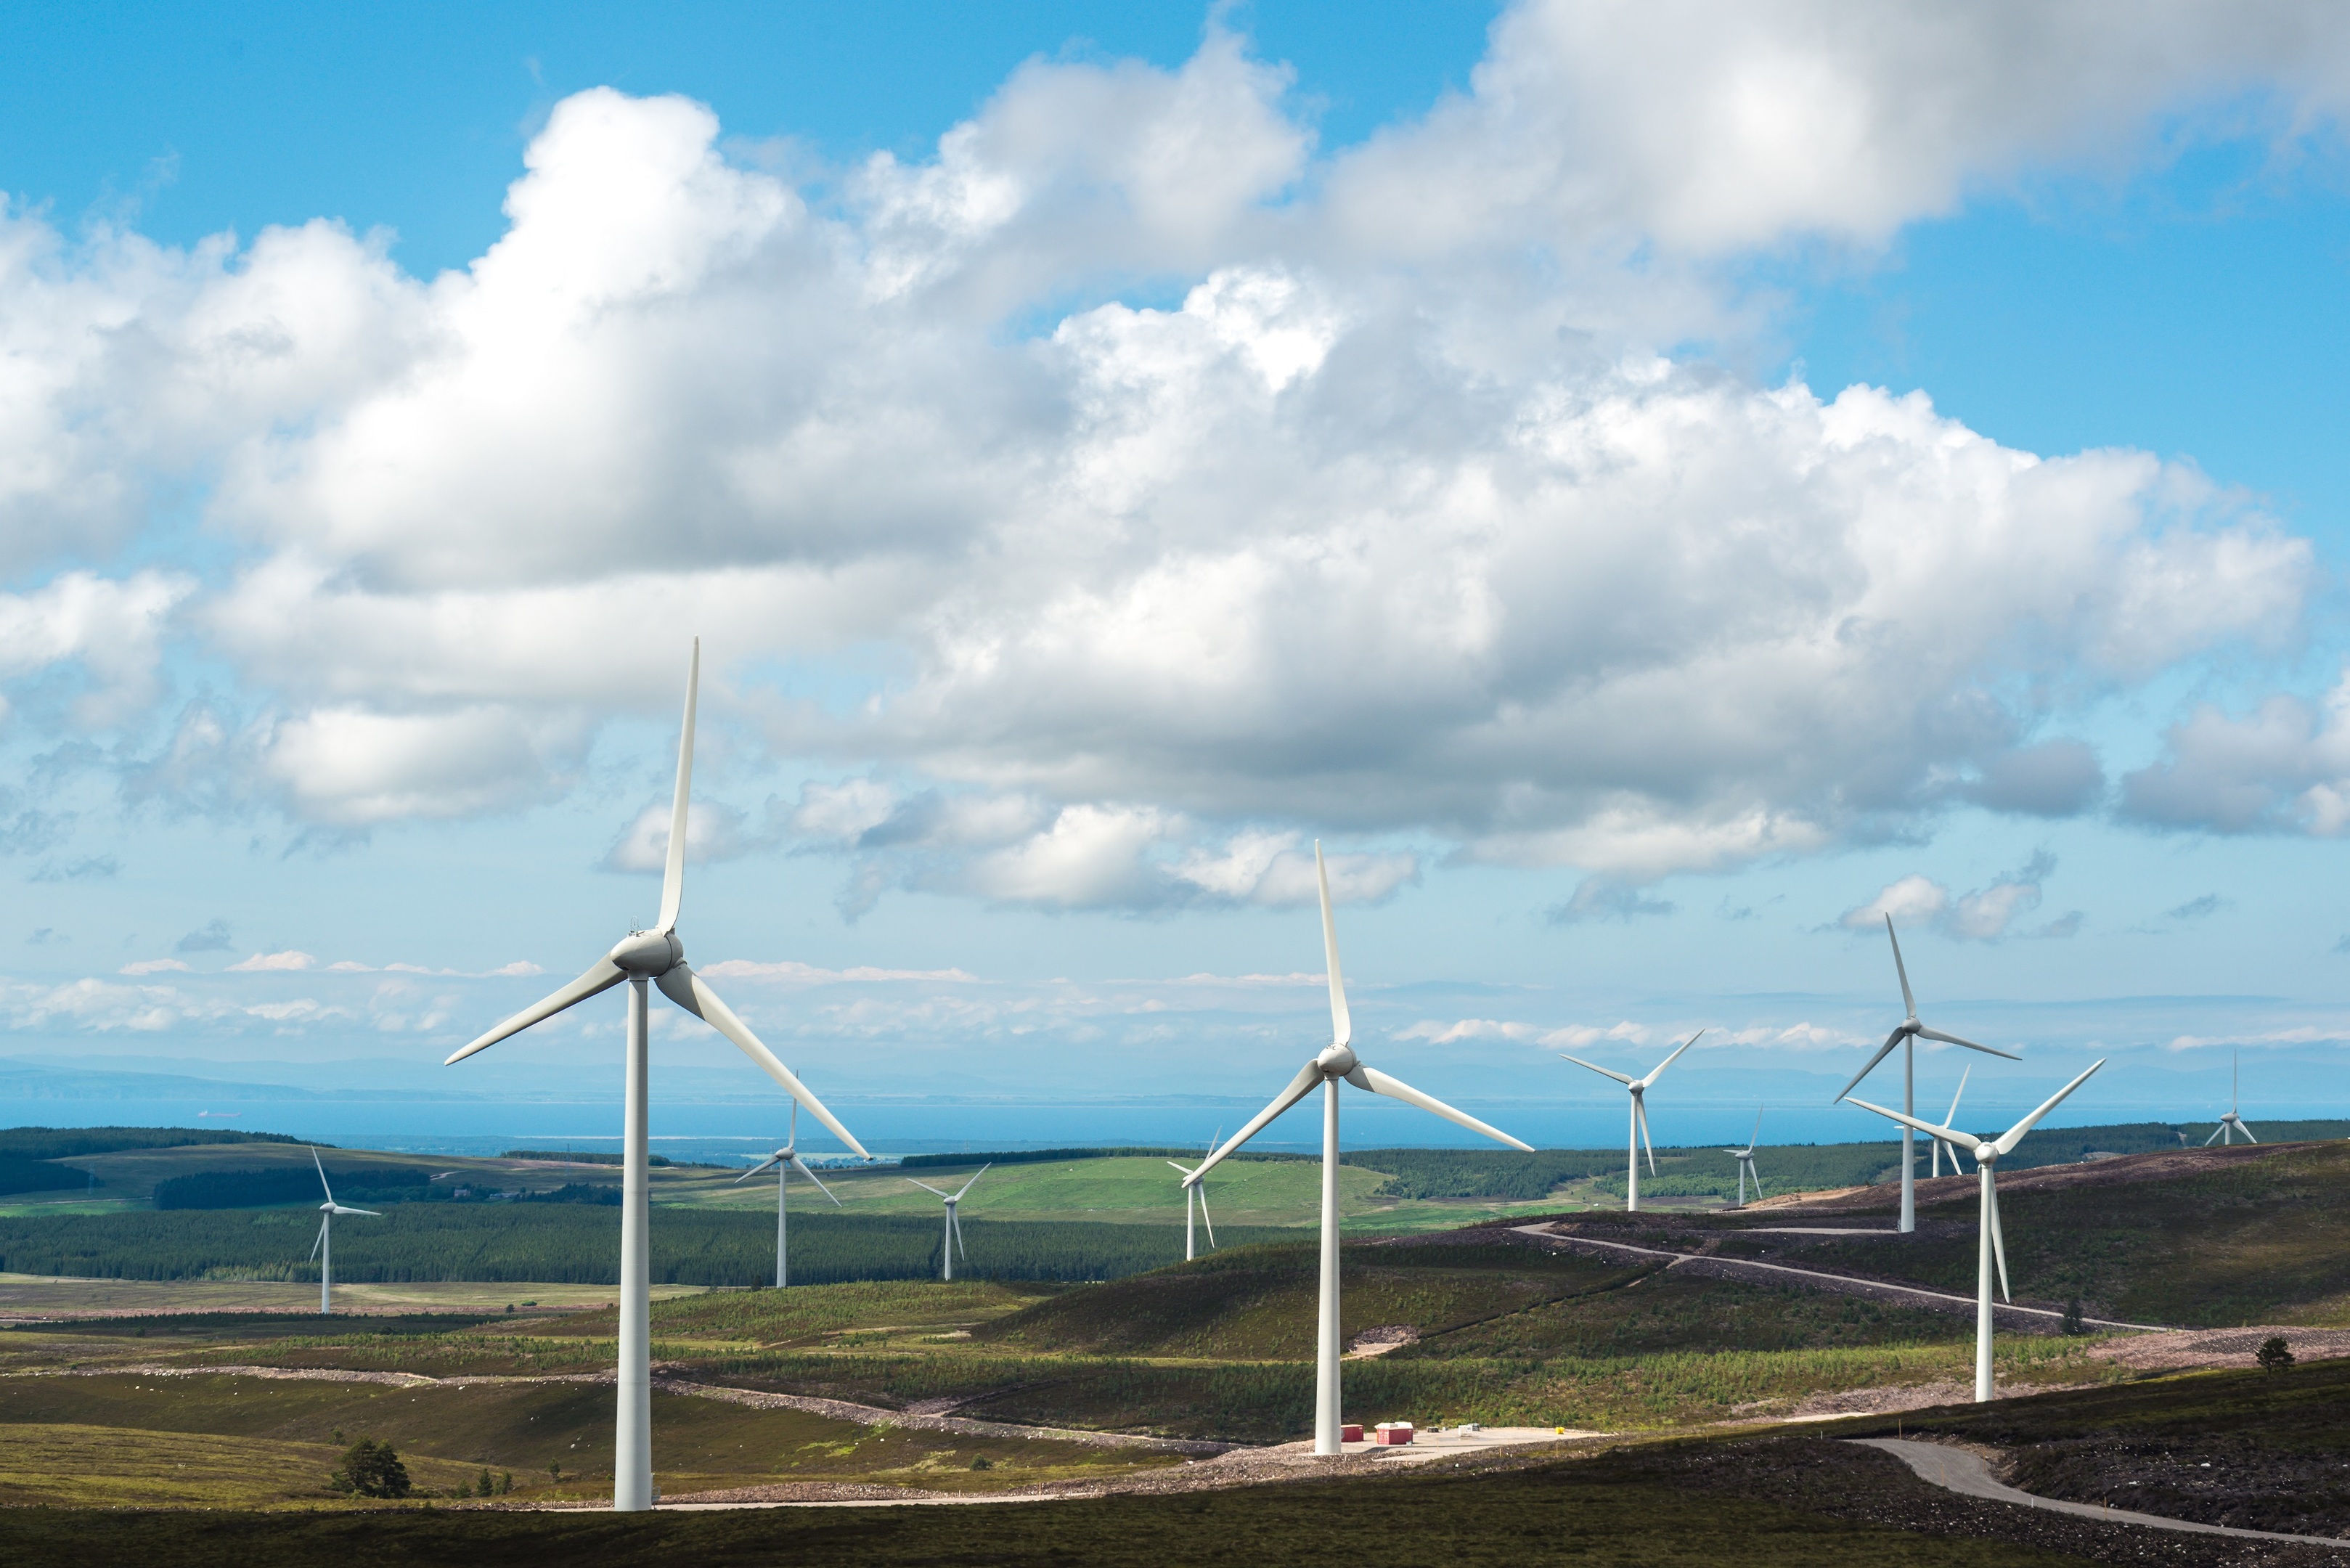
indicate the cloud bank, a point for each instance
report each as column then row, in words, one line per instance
column 1353, row 495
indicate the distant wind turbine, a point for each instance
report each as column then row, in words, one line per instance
column 2231, row 1124
column 657, row 956
column 953, row 1241
column 1951, row 1120
column 1987, row 1152
column 323, row 1249
column 1639, row 1134
column 1196, row 1195
column 1906, row 1034
column 1336, row 1061
column 1745, row 1159
column 783, row 1162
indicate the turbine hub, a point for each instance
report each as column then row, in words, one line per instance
column 1336, row 1061
column 645, row 954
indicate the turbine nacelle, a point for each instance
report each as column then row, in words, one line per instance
column 1336, row 1060
column 648, row 954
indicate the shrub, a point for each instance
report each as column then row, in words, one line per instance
column 371, row 1469
column 2072, row 1323
column 2273, row 1356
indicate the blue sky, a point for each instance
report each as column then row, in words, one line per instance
column 1103, row 450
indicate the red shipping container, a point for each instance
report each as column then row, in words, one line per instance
column 1393, row 1432
column 1350, row 1434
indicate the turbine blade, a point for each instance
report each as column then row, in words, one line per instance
column 1596, row 1069
column 1954, row 1098
column 2015, row 1135
column 767, row 1163
column 1757, row 1176
column 1184, row 1168
column 1308, row 1077
column 1998, row 1246
column 1954, row 1039
column 2246, row 1130
column 1954, row 1134
column 370, row 1213
column 602, row 976
column 1342, row 1024
column 1908, row 1003
column 1379, row 1083
column 319, row 1242
column 673, row 870
column 954, row 1224
column 801, row 1165
column 1205, row 1216
column 693, row 992
column 1756, row 1136
column 322, row 1173
column 1640, row 1114
column 1658, row 1071
column 974, row 1178
column 2215, row 1135
column 926, row 1187
column 1882, row 1052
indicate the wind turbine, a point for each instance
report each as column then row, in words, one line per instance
column 1639, row 1134
column 953, row 1239
column 323, row 1249
column 783, row 1161
column 1745, row 1159
column 1906, row 1034
column 657, row 956
column 1200, row 1193
column 1939, row 1145
column 2231, row 1124
column 1336, row 1061
column 1989, row 1244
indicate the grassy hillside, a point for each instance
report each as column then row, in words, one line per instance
column 2260, row 1240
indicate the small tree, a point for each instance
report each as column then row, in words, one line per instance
column 505, row 1483
column 487, row 1486
column 555, row 1470
column 2273, row 1355
column 2073, row 1316
column 370, row 1469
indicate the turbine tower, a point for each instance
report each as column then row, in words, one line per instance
column 783, row 1161
column 1989, row 1245
column 323, row 1249
column 1951, row 1120
column 1338, row 1060
column 953, row 1244
column 1639, row 1133
column 657, row 956
column 1906, row 1034
column 2231, row 1124
column 1745, row 1159
column 1196, row 1197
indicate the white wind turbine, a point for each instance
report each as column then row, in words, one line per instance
column 2231, row 1124
column 323, row 1249
column 783, row 1161
column 1196, row 1196
column 953, row 1244
column 1639, row 1134
column 1336, row 1061
column 1906, row 1034
column 1950, row 1120
column 1989, row 1245
column 657, row 956
column 1745, row 1159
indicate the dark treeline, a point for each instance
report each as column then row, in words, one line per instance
column 291, row 1184
column 64, row 1143
column 569, row 1157
column 19, row 1174
column 576, row 1244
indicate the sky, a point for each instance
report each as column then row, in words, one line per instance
column 1657, row 490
